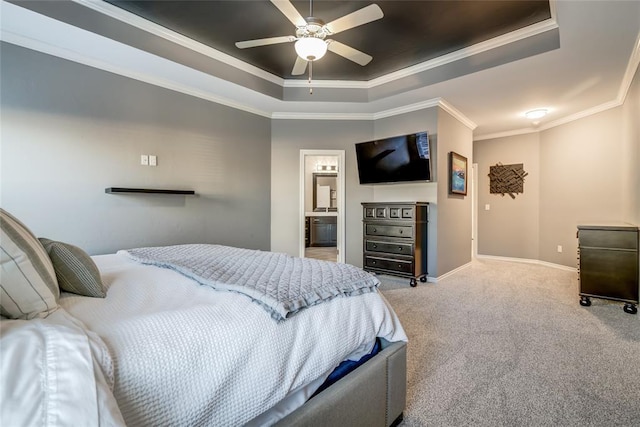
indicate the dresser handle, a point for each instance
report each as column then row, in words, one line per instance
column 375, row 229
column 399, row 265
column 375, row 246
column 400, row 231
column 399, row 248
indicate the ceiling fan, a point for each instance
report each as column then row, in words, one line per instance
column 311, row 41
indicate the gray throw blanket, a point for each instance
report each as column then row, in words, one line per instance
column 282, row 284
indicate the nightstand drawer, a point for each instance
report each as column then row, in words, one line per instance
column 397, row 265
column 389, row 247
column 403, row 231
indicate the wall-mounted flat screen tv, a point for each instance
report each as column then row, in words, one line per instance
column 397, row 159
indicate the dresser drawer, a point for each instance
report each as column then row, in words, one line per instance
column 396, row 265
column 389, row 212
column 389, row 247
column 405, row 231
column 609, row 239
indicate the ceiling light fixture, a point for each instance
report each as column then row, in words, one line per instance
column 311, row 48
column 536, row 114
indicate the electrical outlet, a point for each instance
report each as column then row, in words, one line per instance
column 559, row 248
column 487, row 207
column 144, row 160
column 153, row 160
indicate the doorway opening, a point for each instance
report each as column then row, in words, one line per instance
column 322, row 204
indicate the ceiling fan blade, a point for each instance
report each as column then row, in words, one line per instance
column 299, row 67
column 359, row 17
column 263, row 42
column 350, row 53
column 290, row 12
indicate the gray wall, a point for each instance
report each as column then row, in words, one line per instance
column 447, row 133
column 631, row 151
column 416, row 121
column 454, row 210
column 511, row 226
column 288, row 137
column 587, row 173
column 580, row 181
column 69, row 131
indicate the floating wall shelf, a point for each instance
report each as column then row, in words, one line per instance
column 123, row 190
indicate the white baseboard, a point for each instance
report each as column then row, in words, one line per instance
column 528, row 261
column 445, row 275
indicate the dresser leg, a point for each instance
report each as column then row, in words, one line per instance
column 630, row 308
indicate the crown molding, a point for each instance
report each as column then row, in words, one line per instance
column 160, row 31
column 29, row 19
column 514, row 36
column 632, row 66
column 327, row 84
column 430, row 103
column 625, row 86
column 321, row 116
column 506, row 134
column 174, row 37
column 457, row 114
column 16, row 33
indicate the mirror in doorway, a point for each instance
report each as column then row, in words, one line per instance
column 325, row 191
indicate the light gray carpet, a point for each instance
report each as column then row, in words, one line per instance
column 507, row 344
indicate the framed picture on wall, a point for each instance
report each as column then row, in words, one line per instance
column 457, row 174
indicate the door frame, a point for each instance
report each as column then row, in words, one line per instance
column 474, row 210
column 340, row 200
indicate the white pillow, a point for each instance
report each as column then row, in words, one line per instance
column 28, row 286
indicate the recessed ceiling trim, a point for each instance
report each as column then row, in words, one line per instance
column 160, row 31
column 632, row 66
column 457, row 114
column 328, row 84
column 430, row 103
column 625, row 85
column 512, row 37
column 321, row 116
column 24, row 28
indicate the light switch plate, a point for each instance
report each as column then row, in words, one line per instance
column 153, row 160
column 144, row 160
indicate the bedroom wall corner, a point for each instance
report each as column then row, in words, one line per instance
column 631, row 143
column 454, row 210
column 581, row 181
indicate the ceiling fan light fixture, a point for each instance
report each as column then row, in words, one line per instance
column 311, row 48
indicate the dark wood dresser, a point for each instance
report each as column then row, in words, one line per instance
column 395, row 239
column 608, row 264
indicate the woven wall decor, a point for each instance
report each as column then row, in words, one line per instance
column 507, row 179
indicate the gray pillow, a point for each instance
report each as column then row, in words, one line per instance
column 75, row 270
column 29, row 287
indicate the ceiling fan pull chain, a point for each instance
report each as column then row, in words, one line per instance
column 310, row 76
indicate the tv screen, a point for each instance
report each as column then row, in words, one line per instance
column 397, row 159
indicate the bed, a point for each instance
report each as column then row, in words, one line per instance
column 171, row 345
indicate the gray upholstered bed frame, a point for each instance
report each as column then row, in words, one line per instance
column 372, row 395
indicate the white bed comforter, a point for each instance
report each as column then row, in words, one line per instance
column 185, row 354
column 55, row 373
